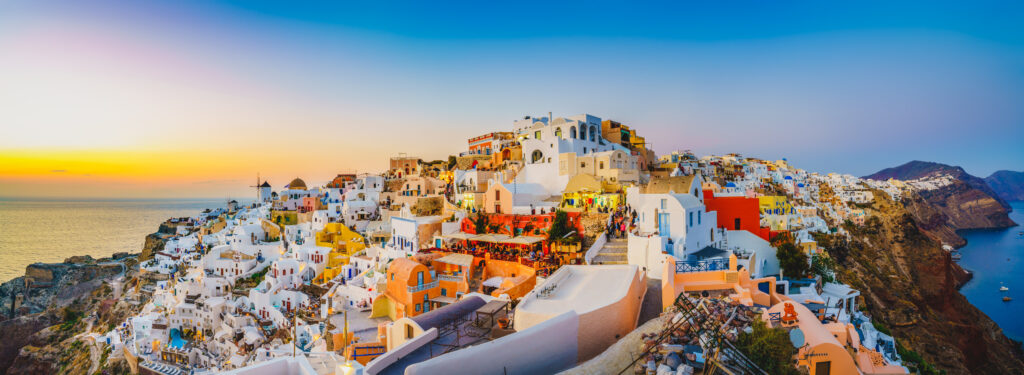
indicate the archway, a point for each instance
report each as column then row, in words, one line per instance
column 593, row 133
column 536, row 156
column 572, row 132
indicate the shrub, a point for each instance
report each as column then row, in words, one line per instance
column 792, row 260
column 769, row 348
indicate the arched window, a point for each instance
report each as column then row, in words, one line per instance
column 536, row 156
column 583, row 132
column 558, row 133
column 593, row 133
column 572, row 132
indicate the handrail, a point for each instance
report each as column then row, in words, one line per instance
column 422, row 287
column 714, row 264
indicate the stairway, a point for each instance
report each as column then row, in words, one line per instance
column 613, row 252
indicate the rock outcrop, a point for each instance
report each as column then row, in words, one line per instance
column 968, row 202
column 1008, row 185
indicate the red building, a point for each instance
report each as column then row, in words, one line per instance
column 737, row 213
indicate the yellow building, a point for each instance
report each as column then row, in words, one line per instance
column 344, row 243
column 586, row 191
column 775, row 205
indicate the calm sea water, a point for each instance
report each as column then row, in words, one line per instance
column 997, row 258
column 51, row 230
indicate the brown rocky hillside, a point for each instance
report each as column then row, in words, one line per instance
column 910, row 285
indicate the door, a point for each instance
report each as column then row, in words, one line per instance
column 663, row 224
column 823, row 368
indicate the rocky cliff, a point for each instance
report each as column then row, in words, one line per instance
column 910, row 285
column 1008, row 185
column 968, row 202
column 38, row 332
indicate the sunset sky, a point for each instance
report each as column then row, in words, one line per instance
column 194, row 98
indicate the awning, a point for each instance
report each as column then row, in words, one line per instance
column 524, row 240
column 459, row 236
column 464, row 260
column 494, row 282
column 492, row 238
column 443, row 299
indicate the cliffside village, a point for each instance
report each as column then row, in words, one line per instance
column 559, row 244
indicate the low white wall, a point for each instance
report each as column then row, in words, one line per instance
column 596, row 247
column 387, row 359
column 646, row 252
column 546, row 348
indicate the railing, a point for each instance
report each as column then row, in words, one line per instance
column 716, row 264
column 422, row 287
column 449, row 277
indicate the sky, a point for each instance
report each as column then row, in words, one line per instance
column 183, row 98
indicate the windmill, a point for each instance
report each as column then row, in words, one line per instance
column 257, row 187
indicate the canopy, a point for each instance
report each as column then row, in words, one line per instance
column 460, row 236
column 464, row 260
column 524, row 240
column 493, row 238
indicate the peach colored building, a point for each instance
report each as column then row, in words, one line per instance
column 832, row 348
column 683, row 277
column 606, row 298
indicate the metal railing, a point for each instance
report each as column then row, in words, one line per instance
column 715, row 264
column 449, row 277
column 422, row 287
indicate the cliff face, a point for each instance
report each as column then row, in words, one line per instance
column 966, row 203
column 966, row 207
column 910, row 284
column 1008, row 185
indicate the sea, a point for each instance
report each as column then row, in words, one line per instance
column 996, row 257
column 51, row 230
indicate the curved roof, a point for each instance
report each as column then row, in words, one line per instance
column 437, row 318
column 297, row 183
column 403, row 267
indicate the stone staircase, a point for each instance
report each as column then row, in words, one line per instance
column 613, row 252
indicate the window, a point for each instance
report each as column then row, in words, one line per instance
column 417, row 307
column 444, row 292
column 601, row 165
column 690, row 219
column 736, row 224
column 497, row 195
column 419, row 278
column 699, row 214
column 664, row 204
column 583, row 165
column 536, row 134
column 392, row 277
column 558, row 132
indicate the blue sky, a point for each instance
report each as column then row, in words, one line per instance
column 846, row 88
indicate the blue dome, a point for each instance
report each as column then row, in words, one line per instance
column 800, row 184
column 730, row 184
column 789, row 177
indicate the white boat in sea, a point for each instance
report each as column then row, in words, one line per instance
column 1003, row 288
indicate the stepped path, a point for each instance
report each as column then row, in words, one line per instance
column 613, row 252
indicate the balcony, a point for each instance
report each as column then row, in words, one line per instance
column 454, row 278
column 422, row 287
column 715, row 264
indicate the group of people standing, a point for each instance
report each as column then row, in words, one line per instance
column 621, row 221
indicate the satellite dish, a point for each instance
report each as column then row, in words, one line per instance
column 796, row 337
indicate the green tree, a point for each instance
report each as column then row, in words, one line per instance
column 769, row 348
column 480, row 223
column 560, row 228
column 792, row 260
column 823, row 266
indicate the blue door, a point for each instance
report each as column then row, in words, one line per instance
column 663, row 224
